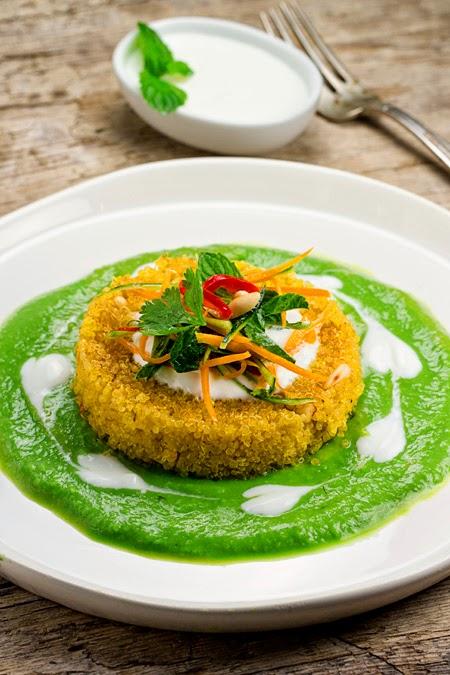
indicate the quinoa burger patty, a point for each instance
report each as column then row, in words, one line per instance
column 150, row 422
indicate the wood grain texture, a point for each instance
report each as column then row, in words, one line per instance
column 62, row 119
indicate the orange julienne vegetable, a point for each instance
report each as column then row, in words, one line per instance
column 307, row 291
column 297, row 337
column 206, row 393
column 129, row 345
column 238, row 340
column 216, row 341
column 157, row 360
column 257, row 277
column 279, row 360
column 154, row 360
column 233, row 374
column 230, row 358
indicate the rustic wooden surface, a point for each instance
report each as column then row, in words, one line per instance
column 62, row 119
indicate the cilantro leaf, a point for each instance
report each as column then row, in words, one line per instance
column 193, row 296
column 272, row 308
column 179, row 68
column 186, row 352
column 210, row 263
column 157, row 55
column 161, row 95
column 165, row 315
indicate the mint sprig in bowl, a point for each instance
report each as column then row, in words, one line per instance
column 159, row 67
column 217, row 85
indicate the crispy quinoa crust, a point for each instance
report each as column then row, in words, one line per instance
column 152, row 423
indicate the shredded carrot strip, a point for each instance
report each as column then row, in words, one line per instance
column 153, row 360
column 294, row 340
column 230, row 358
column 297, row 337
column 274, row 358
column 278, row 269
column 142, row 346
column 156, row 360
column 215, row 340
column 129, row 345
column 233, row 374
column 206, row 393
column 307, row 291
column 306, row 335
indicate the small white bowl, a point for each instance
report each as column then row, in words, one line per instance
column 250, row 93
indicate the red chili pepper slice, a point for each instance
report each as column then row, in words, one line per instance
column 229, row 283
column 215, row 303
column 212, row 302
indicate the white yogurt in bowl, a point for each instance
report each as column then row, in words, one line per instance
column 250, row 93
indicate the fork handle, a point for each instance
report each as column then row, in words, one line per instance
column 434, row 142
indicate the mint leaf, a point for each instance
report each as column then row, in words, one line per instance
column 272, row 308
column 193, row 296
column 210, row 264
column 161, row 95
column 179, row 68
column 186, row 352
column 256, row 334
column 157, row 55
column 165, row 315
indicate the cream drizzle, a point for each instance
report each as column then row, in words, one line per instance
column 105, row 471
column 40, row 375
column 383, row 352
column 385, row 437
column 273, row 500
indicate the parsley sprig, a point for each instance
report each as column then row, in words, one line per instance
column 160, row 93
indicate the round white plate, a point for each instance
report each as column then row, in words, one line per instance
column 396, row 235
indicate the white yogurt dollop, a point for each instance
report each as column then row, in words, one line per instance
column 41, row 375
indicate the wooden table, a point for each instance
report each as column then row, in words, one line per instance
column 62, row 119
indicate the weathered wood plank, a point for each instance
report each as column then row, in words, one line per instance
column 409, row 637
column 62, row 119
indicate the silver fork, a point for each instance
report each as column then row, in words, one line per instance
column 344, row 98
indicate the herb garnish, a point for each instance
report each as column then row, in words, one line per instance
column 210, row 264
column 159, row 62
column 216, row 320
column 169, row 314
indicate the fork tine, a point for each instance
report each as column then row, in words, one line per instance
column 267, row 24
column 321, row 44
column 280, row 24
column 308, row 45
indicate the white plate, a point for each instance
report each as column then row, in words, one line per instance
column 200, row 201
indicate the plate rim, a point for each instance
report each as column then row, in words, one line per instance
column 145, row 166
